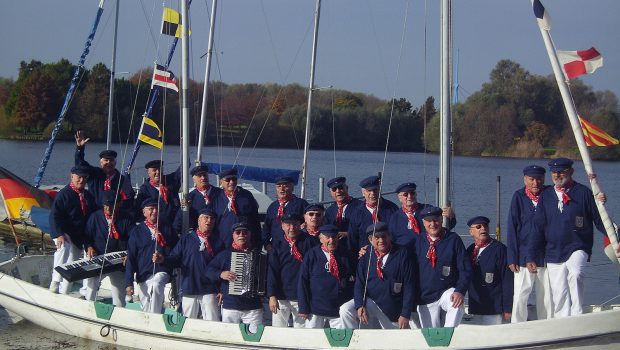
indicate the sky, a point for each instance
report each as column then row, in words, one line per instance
column 374, row 47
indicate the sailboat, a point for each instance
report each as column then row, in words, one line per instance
column 23, row 282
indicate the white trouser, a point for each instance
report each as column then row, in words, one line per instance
column 207, row 305
column 252, row 317
column 286, row 309
column 151, row 292
column 430, row 314
column 117, row 282
column 524, row 283
column 567, row 284
column 65, row 254
column 376, row 317
column 486, row 320
column 316, row 321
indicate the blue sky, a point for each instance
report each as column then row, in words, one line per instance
column 359, row 41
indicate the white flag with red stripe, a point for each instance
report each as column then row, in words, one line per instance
column 576, row 63
column 164, row 78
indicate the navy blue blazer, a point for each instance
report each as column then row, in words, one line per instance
column 520, row 229
column 395, row 294
column 66, row 216
column 167, row 208
column 247, row 208
column 98, row 232
column 318, row 292
column 332, row 212
column 140, row 249
column 361, row 219
column 272, row 229
column 231, row 302
column 193, row 263
column 283, row 272
column 562, row 233
column 452, row 270
column 492, row 283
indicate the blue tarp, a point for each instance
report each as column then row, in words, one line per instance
column 41, row 218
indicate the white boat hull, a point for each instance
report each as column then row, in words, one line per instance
column 131, row 328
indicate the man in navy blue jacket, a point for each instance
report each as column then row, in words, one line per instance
column 565, row 229
column 520, row 223
column 384, row 294
column 314, row 217
column 108, row 230
column 405, row 225
column 235, row 308
column 68, row 217
column 283, row 274
column 325, row 281
column 202, row 196
column 192, row 254
column 145, row 240
column 161, row 186
column 444, row 270
column 287, row 203
column 339, row 213
column 491, row 287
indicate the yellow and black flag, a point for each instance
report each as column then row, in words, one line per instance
column 171, row 23
column 150, row 133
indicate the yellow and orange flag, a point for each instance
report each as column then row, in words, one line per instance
column 594, row 136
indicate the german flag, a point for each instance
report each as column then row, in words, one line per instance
column 594, row 136
column 19, row 195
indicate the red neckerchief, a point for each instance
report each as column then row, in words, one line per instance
column 341, row 206
column 413, row 223
column 294, row 250
column 204, row 236
column 231, row 199
column 158, row 236
column 205, row 194
column 380, row 262
column 106, row 184
column 373, row 210
column 566, row 188
column 333, row 264
column 474, row 254
column 432, row 253
column 236, row 248
column 163, row 190
column 312, row 232
column 532, row 196
column 83, row 204
column 113, row 232
column 283, row 202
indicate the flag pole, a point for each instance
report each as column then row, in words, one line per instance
column 571, row 111
column 8, row 216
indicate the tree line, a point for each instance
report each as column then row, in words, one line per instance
column 515, row 113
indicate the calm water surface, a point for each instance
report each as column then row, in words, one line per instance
column 474, row 186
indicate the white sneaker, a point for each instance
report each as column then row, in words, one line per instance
column 54, row 287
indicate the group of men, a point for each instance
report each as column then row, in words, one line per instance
column 358, row 263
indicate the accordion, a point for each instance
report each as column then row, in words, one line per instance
column 251, row 271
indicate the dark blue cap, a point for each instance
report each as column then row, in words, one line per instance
column 478, row 220
column 559, row 164
column 379, row 229
column 110, row 198
column 406, row 187
column 155, row 164
column 431, row 212
column 224, row 174
column 207, row 211
column 284, row 180
column 337, row 181
column 149, row 202
column 199, row 169
column 80, row 170
column 371, row 182
column 292, row 218
column 108, row 154
column 534, row 171
column 241, row 225
column 314, row 207
column 329, row 230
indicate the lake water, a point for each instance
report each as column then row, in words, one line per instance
column 474, row 186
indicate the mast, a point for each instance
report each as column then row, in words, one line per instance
column 112, row 71
column 304, row 165
column 205, row 90
column 185, row 110
column 571, row 111
column 445, row 172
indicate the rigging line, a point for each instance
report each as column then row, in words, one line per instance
column 451, row 201
column 424, row 110
column 273, row 48
column 334, row 133
column 379, row 50
column 148, row 25
column 609, row 300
